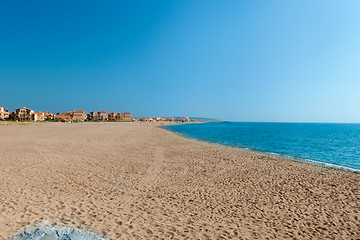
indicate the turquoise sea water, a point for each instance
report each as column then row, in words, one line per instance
column 333, row 145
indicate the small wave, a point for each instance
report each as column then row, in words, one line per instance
column 331, row 165
column 305, row 160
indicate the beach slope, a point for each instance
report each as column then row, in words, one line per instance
column 137, row 181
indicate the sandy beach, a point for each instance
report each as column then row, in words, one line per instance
column 137, row 181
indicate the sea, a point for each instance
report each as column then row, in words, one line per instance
column 328, row 144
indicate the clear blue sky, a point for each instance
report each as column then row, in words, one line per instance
column 231, row 60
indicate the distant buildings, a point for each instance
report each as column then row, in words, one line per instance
column 4, row 114
column 185, row 119
column 98, row 116
column 49, row 116
column 27, row 114
column 112, row 117
column 115, row 117
column 62, row 118
column 38, row 116
column 161, row 119
column 78, row 115
column 23, row 114
column 126, row 117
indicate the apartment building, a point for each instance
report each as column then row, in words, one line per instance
column 38, row 116
column 103, row 116
column 49, row 116
column 98, row 116
column 115, row 117
column 4, row 113
column 23, row 114
column 126, row 116
column 62, row 118
column 78, row 115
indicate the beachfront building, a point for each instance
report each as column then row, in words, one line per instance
column 78, row 115
column 49, row 116
column 38, row 116
column 170, row 119
column 119, row 117
column 159, row 119
column 23, row 114
column 98, row 116
column 62, row 118
column 103, row 116
column 93, row 116
column 114, row 117
column 4, row 113
column 185, row 119
column 126, row 116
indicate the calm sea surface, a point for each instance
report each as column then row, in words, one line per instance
column 334, row 145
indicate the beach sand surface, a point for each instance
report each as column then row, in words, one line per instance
column 137, row 181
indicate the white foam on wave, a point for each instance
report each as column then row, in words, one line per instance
column 325, row 164
column 331, row 165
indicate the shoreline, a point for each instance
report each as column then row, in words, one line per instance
column 310, row 163
column 272, row 154
column 135, row 180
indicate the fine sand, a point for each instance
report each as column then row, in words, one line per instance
column 137, row 181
